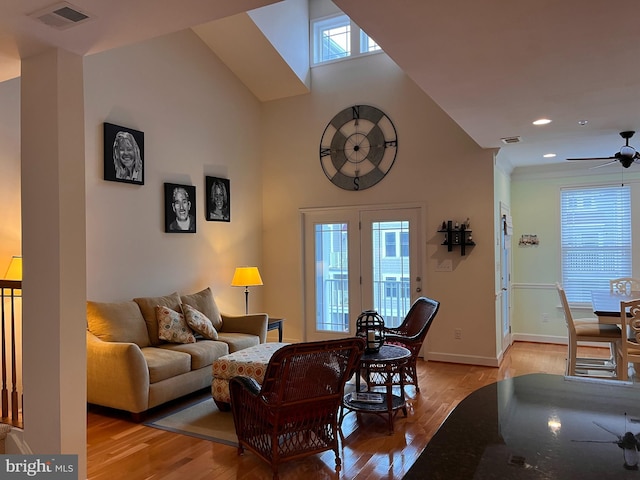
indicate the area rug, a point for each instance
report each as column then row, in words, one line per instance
column 202, row 420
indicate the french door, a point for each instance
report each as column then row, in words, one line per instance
column 359, row 259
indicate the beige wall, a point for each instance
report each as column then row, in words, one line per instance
column 10, row 234
column 536, row 210
column 437, row 164
column 197, row 120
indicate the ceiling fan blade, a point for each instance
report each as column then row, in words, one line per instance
column 594, row 158
column 604, row 164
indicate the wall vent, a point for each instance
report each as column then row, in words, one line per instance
column 510, row 140
column 61, row 16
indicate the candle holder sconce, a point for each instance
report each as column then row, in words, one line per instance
column 370, row 326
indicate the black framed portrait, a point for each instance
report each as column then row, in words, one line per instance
column 123, row 154
column 218, row 199
column 179, row 208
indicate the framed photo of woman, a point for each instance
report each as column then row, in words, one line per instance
column 123, row 154
column 218, row 199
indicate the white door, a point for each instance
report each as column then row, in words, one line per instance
column 355, row 260
column 505, row 278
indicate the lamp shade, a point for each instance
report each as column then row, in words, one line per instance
column 246, row 277
column 14, row 272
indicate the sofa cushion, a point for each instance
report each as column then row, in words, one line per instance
column 199, row 322
column 238, row 341
column 148, row 308
column 117, row 322
column 204, row 302
column 172, row 326
column 203, row 352
column 165, row 363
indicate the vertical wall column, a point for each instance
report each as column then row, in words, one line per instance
column 54, row 254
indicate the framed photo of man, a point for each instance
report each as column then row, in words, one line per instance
column 180, row 208
column 218, row 199
column 123, row 154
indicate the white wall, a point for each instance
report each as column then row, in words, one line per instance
column 535, row 195
column 437, row 164
column 197, row 120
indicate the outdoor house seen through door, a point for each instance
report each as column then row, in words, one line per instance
column 358, row 260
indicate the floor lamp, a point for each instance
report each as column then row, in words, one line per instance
column 246, row 277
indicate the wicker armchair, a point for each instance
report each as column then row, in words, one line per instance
column 411, row 334
column 295, row 412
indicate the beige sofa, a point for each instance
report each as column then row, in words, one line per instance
column 130, row 367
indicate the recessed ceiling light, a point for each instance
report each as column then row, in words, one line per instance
column 549, row 155
column 542, row 121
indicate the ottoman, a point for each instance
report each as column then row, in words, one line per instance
column 248, row 362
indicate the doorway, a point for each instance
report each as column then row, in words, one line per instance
column 359, row 259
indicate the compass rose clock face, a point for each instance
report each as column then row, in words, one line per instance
column 358, row 147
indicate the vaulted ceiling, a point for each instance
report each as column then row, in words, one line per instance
column 493, row 65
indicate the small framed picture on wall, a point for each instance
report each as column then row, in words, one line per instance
column 218, row 199
column 179, row 208
column 123, row 154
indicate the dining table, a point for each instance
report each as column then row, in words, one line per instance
column 606, row 304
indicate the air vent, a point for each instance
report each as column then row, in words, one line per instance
column 510, row 140
column 61, row 16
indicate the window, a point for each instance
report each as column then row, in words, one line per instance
column 338, row 37
column 595, row 226
column 390, row 244
column 391, row 240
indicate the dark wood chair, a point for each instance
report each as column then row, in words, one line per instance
column 295, row 411
column 411, row 334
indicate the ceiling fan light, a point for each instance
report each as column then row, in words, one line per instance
column 627, row 151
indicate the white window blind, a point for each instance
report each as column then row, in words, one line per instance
column 595, row 239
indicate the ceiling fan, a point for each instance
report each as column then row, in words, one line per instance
column 626, row 156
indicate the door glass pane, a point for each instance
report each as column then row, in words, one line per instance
column 332, row 277
column 391, row 289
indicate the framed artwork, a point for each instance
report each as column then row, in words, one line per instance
column 218, row 199
column 123, row 154
column 179, row 208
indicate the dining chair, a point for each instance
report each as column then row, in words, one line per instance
column 587, row 330
column 624, row 285
column 630, row 322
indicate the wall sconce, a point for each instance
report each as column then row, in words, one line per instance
column 246, row 277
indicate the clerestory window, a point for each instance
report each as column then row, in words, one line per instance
column 338, row 37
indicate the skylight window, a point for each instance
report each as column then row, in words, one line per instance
column 338, row 37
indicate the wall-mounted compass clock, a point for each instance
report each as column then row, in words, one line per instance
column 358, row 147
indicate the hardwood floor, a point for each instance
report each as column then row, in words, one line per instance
column 118, row 448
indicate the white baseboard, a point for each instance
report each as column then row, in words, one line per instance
column 534, row 338
column 464, row 359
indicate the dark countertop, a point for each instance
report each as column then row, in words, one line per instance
column 536, row 426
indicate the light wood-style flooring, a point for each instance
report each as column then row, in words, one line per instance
column 121, row 449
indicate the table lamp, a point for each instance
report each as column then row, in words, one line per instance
column 14, row 272
column 246, row 277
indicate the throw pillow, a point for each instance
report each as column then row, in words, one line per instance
column 199, row 322
column 203, row 302
column 117, row 322
column 148, row 308
column 172, row 326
